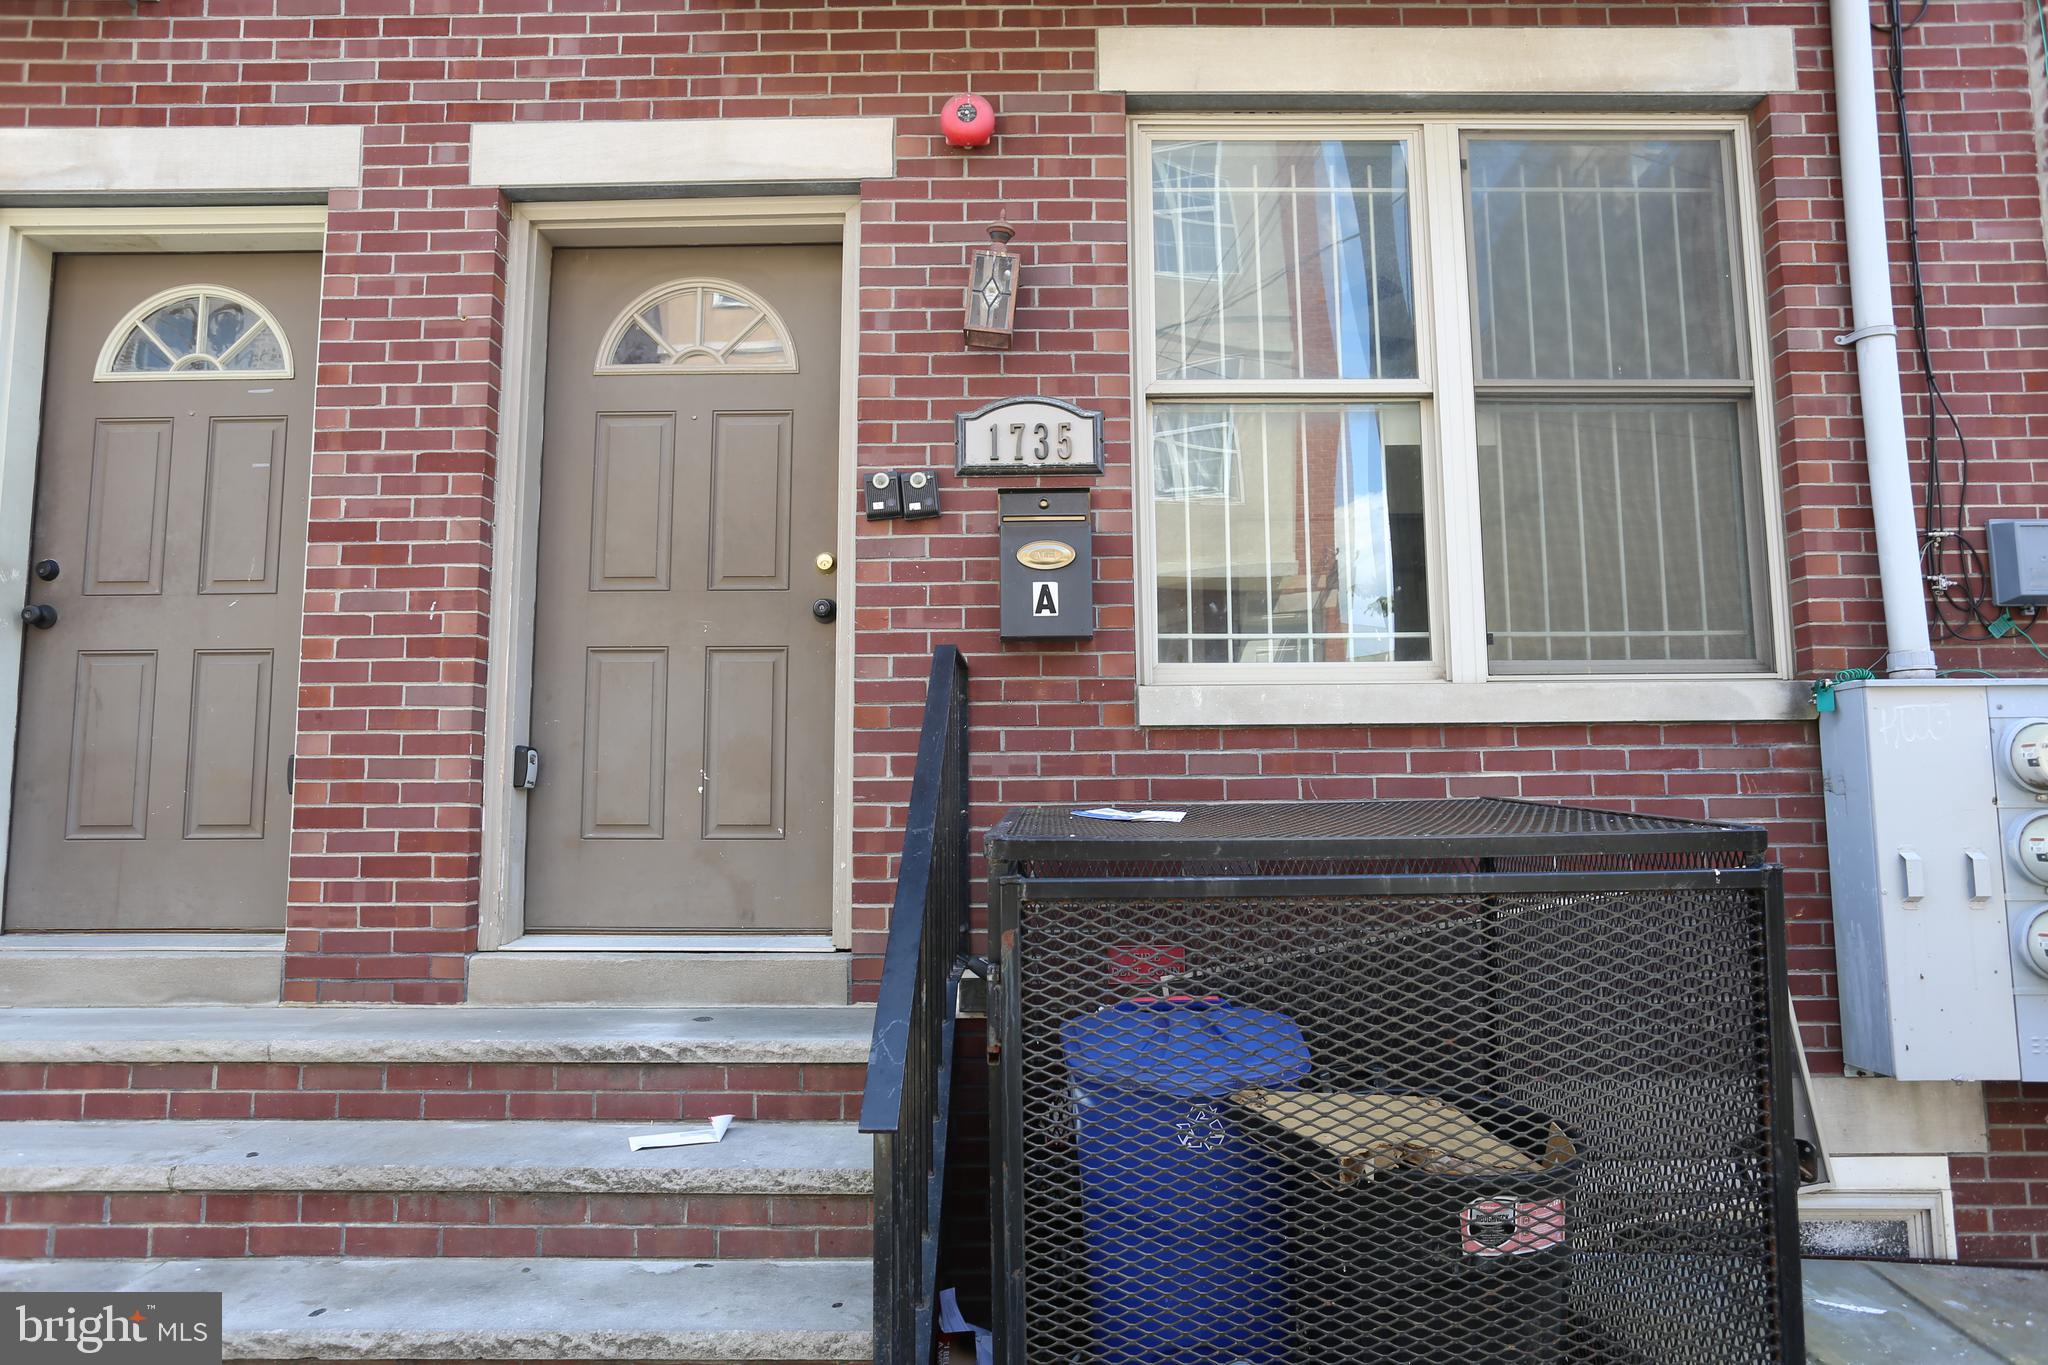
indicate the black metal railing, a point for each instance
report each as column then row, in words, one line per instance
column 910, row 1066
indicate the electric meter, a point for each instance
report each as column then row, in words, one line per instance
column 2026, row 754
column 2030, row 935
column 2030, row 848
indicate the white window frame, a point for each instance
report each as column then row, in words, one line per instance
column 1912, row 1189
column 1457, row 685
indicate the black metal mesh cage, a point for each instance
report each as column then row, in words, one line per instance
column 1349, row 1102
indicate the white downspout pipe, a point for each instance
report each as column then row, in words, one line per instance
column 1910, row 654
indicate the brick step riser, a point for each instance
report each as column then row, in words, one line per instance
column 293, row 1223
column 651, row 1092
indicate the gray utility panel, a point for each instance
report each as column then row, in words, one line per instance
column 1048, row 564
column 2019, row 562
column 1937, row 808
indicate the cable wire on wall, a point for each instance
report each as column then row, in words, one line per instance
column 1952, row 563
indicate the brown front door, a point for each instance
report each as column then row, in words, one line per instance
column 157, row 712
column 682, row 698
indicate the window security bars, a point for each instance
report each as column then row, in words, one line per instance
column 910, row 1063
column 1614, row 474
column 1342, row 343
column 1394, row 1082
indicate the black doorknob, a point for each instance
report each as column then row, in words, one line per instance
column 825, row 609
column 42, row 616
column 48, row 569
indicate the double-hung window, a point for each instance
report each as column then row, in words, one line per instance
column 1450, row 400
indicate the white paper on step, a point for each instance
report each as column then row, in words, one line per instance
column 696, row 1135
column 1163, row 817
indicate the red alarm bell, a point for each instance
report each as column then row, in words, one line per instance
column 968, row 121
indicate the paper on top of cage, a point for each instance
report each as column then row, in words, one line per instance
column 695, row 1135
column 1163, row 817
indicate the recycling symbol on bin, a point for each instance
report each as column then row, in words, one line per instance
column 1202, row 1130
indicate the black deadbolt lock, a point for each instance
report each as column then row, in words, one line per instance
column 47, row 570
column 42, row 616
column 825, row 609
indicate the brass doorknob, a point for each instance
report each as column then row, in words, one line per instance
column 826, row 563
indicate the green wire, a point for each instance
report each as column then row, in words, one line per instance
column 2021, row 631
column 1865, row 675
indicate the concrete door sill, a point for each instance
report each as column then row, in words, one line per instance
column 669, row 943
column 606, row 974
column 114, row 969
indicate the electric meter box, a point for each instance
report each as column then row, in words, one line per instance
column 1937, row 808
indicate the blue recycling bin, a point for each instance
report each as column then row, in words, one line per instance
column 1183, row 1217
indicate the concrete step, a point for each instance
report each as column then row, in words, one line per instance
column 191, row 1188
column 816, row 1034
column 90, row 970
column 406, row 1155
column 292, row 1308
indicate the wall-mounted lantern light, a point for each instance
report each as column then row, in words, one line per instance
column 992, row 292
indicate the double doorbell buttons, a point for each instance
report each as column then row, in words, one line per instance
column 887, row 494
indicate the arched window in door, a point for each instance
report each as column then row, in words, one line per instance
column 196, row 331
column 697, row 326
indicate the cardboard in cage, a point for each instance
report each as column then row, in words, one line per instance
column 1346, row 1139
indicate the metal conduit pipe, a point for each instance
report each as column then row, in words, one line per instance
column 1909, row 651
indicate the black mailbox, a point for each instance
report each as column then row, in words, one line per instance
column 1048, row 572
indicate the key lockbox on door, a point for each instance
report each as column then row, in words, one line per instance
column 1048, row 569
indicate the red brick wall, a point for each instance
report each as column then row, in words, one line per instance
column 386, row 812
column 2002, row 1197
column 647, row 1093
column 103, row 1226
column 384, row 878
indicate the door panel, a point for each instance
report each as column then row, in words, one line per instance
column 749, row 504
column 682, row 696
column 157, row 713
column 111, row 722
column 124, row 528
column 746, row 715
column 632, row 497
column 245, row 475
column 227, row 763
column 625, row 732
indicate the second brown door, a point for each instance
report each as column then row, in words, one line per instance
column 682, row 700
column 170, row 545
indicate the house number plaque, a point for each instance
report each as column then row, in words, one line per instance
column 1028, row 436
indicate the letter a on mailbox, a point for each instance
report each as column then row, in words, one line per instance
column 1045, row 598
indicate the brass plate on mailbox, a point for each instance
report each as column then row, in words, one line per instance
column 1046, row 554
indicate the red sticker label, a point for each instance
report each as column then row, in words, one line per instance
column 1145, row 964
column 1510, row 1227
